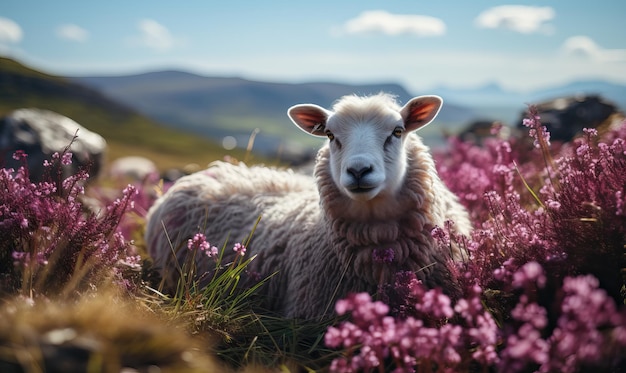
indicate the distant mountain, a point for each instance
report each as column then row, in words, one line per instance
column 221, row 106
column 127, row 132
column 230, row 106
column 180, row 102
column 492, row 101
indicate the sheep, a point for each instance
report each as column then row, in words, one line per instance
column 375, row 187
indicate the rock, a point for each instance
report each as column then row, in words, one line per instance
column 479, row 130
column 41, row 133
column 566, row 117
column 134, row 168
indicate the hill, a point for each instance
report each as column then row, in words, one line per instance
column 223, row 106
column 493, row 101
column 127, row 132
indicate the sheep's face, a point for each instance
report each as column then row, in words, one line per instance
column 366, row 139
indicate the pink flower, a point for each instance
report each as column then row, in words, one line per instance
column 530, row 274
column 46, row 220
column 19, row 155
column 383, row 255
column 239, row 249
column 199, row 242
column 66, row 157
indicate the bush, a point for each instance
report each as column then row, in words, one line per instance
column 50, row 243
column 543, row 276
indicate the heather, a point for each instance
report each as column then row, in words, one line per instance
column 564, row 211
column 557, row 231
column 541, row 287
column 50, row 242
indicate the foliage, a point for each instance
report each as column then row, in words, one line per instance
column 49, row 242
column 542, row 282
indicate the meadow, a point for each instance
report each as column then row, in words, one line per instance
column 542, row 283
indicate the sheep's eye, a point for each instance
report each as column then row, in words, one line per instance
column 398, row 132
column 330, row 135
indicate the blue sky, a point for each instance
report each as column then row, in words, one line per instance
column 520, row 45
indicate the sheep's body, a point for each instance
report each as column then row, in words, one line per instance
column 320, row 240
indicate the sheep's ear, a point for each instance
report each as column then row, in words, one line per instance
column 420, row 111
column 310, row 118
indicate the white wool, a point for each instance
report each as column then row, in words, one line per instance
column 375, row 187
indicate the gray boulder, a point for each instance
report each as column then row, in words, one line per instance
column 565, row 117
column 133, row 168
column 41, row 133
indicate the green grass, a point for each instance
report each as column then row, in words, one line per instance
column 223, row 309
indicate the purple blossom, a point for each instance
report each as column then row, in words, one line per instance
column 435, row 304
column 536, row 130
column 505, row 272
column 49, row 235
column 590, row 132
column 586, row 312
column 21, row 258
column 530, row 313
column 199, row 242
column 523, row 348
column 132, row 261
column 440, row 234
column 65, row 157
column 374, row 337
column 530, row 274
column 385, row 256
column 20, row 155
column 239, row 249
column 542, row 219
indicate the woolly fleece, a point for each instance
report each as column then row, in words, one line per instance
column 321, row 251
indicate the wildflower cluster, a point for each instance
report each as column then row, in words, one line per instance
column 545, row 261
column 239, row 249
column 440, row 336
column 204, row 265
column 589, row 331
column 539, row 133
column 199, row 242
column 565, row 213
column 48, row 238
column 383, row 255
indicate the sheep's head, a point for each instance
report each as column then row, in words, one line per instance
column 367, row 137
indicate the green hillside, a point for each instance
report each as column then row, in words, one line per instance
column 126, row 131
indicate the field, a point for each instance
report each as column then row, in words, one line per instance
column 542, row 284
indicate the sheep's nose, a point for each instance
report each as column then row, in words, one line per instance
column 358, row 173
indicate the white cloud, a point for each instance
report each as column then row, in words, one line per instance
column 520, row 18
column 10, row 32
column 72, row 32
column 155, row 36
column 380, row 21
column 584, row 46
